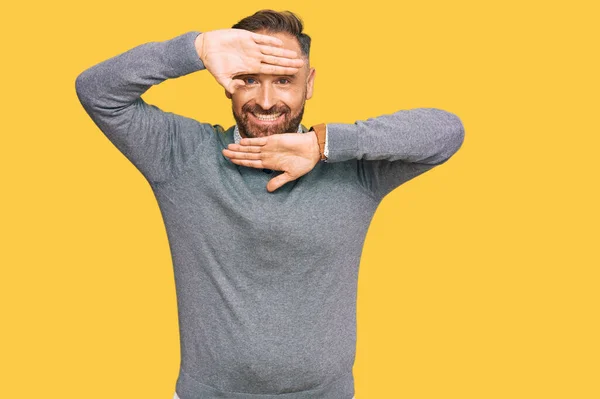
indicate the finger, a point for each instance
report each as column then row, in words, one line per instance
column 248, row 162
column 266, row 39
column 271, row 59
column 230, row 85
column 254, row 140
column 279, row 52
column 277, row 70
column 244, row 148
column 241, row 155
column 234, row 85
column 278, row 181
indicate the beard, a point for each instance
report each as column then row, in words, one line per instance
column 248, row 128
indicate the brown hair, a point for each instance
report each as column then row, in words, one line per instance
column 273, row 21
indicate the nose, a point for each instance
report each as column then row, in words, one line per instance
column 266, row 96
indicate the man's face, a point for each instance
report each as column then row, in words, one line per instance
column 272, row 104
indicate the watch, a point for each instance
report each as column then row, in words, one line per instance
column 320, row 131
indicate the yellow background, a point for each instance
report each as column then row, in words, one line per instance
column 479, row 279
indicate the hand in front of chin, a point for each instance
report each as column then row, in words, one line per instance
column 295, row 154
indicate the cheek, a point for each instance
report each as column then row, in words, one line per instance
column 293, row 99
column 240, row 99
column 238, row 107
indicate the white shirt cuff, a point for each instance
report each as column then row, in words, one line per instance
column 326, row 150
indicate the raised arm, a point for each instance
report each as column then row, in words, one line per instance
column 160, row 143
column 392, row 149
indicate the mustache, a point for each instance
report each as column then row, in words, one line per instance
column 259, row 110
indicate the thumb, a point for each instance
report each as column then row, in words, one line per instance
column 278, row 181
column 234, row 84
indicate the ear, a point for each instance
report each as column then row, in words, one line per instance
column 310, row 83
column 227, row 94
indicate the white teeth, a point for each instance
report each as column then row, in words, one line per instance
column 263, row 117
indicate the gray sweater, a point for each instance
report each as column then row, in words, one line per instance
column 266, row 282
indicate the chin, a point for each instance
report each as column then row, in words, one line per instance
column 261, row 131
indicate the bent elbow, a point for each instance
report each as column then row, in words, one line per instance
column 456, row 135
column 81, row 88
column 449, row 140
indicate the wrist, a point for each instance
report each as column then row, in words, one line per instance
column 320, row 132
column 199, row 44
column 316, row 151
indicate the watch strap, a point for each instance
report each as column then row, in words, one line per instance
column 320, row 131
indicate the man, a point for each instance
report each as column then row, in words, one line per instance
column 266, row 220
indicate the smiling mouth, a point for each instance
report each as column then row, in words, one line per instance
column 267, row 118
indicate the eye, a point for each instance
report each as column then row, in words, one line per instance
column 248, row 80
column 285, row 80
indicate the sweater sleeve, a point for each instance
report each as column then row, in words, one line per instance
column 158, row 143
column 392, row 149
